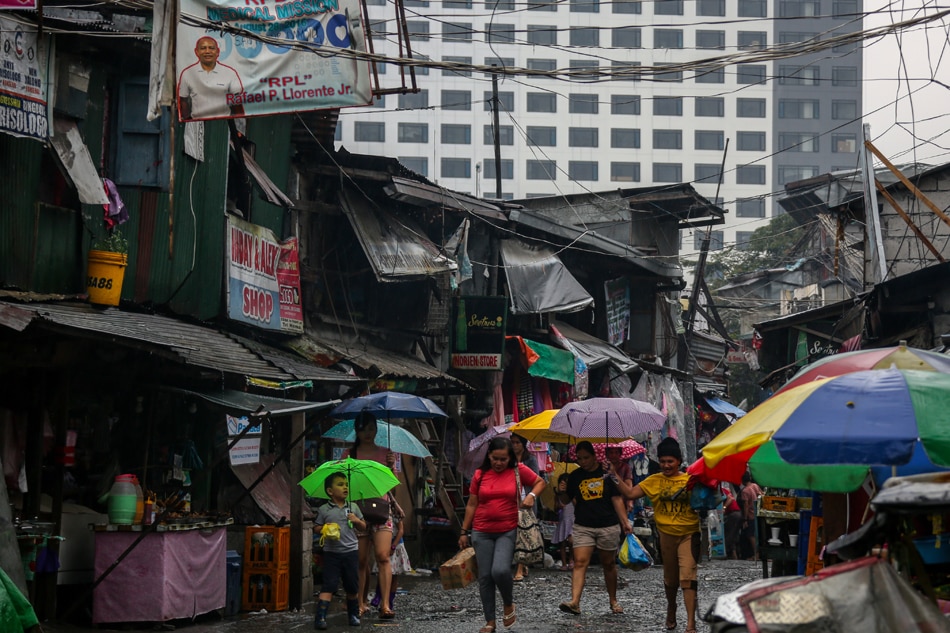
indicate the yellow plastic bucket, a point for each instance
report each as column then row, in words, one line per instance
column 104, row 277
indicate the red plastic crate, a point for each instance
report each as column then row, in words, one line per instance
column 266, row 548
column 265, row 590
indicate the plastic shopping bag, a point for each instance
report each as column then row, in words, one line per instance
column 632, row 555
column 329, row 531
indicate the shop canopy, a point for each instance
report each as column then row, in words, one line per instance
column 254, row 405
column 594, row 351
column 539, row 281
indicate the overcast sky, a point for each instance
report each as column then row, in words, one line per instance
column 905, row 109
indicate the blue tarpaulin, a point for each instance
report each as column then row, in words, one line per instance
column 721, row 406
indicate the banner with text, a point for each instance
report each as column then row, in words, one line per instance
column 246, row 450
column 263, row 278
column 24, row 88
column 479, row 333
column 285, row 63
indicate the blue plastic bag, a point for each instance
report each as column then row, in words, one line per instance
column 704, row 498
column 632, row 555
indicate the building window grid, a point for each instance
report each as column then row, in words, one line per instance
column 369, row 132
column 667, row 139
column 627, row 7
column 541, row 170
column 712, row 8
column 456, row 168
column 710, row 106
column 458, row 60
column 584, row 36
column 799, row 75
column 750, row 141
column 506, row 135
column 625, row 138
column 412, row 133
column 580, row 103
column 626, row 37
column 750, row 208
column 624, row 172
column 750, row 174
column 585, row 6
column 625, row 104
column 583, row 137
column 668, row 106
column 583, row 170
column 667, row 38
column 507, row 169
column 711, row 76
column 844, row 143
column 456, row 134
column 844, row 76
column 715, row 240
column 750, row 108
column 541, row 136
column 541, row 102
column 711, row 39
column 709, row 139
column 706, row 173
column 668, row 7
column 798, row 142
column 542, row 34
column 457, row 32
column 457, row 100
column 752, row 40
column 506, row 101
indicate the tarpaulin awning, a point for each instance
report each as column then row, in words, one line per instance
column 594, row 351
column 539, row 281
column 423, row 195
column 395, row 248
column 254, row 405
column 721, row 406
column 545, row 361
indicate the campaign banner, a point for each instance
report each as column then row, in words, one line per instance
column 479, row 340
column 262, row 289
column 284, row 61
column 17, row 4
column 24, row 89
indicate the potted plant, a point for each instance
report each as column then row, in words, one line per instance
column 108, row 258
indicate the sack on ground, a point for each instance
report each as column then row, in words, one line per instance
column 529, row 542
column 459, row 571
column 375, row 510
column 632, row 555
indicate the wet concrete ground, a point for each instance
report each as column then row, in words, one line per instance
column 426, row 608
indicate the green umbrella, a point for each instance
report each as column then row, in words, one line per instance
column 367, row 479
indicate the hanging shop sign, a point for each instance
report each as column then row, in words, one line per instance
column 269, row 57
column 479, row 339
column 24, row 90
column 246, row 450
column 263, row 278
column 617, row 293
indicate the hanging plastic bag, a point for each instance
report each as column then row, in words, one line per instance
column 632, row 555
column 329, row 531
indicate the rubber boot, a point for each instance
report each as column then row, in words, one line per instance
column 353, row 611
column 320, row 619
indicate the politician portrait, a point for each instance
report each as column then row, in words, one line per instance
column 204, row 87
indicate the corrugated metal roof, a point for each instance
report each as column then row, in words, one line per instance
column 596, row 241
column 196, row 345
column 370, row 358
column 295, row 365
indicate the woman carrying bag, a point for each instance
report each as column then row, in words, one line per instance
column 491, row 524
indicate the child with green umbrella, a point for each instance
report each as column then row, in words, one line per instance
column 340, row 555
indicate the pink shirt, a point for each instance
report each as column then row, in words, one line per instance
column 497, row 509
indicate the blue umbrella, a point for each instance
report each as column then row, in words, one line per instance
column 389, row 404
column 399, row 439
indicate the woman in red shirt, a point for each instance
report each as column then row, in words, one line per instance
column 491, row 518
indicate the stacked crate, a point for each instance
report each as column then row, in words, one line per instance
column 266, row 568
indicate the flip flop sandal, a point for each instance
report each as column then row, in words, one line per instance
column 509, row 618
column 488, row 628
column 567, row 607
column 616, row 608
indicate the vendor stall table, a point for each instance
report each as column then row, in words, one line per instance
column 169, row 575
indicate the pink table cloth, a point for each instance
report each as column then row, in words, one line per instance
column 169, row 575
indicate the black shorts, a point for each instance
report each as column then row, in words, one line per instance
column 345, row 565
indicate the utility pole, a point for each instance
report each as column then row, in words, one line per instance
column 496, row 131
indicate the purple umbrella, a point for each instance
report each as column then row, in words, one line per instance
column 607, row 419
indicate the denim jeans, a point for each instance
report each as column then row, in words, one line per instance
column 494, row 553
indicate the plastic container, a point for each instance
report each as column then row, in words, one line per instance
column 265, row 590
column 266, row 548
column 122, row 500
column 104, row 277
column 139, row 501
column 934, row 550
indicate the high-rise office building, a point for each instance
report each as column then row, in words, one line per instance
column 785, row 118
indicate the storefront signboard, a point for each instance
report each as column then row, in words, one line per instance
column 263, row 278
column 479, row 339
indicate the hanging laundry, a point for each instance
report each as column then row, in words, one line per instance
column 115, row 212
